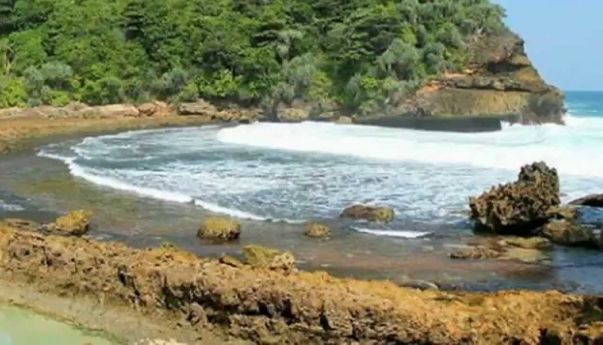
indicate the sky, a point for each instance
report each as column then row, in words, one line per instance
column 564, row 39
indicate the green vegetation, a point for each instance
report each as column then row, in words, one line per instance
column 359, row 53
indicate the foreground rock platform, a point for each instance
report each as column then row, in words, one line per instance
column 273, row 307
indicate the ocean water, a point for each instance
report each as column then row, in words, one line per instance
column 296, row 172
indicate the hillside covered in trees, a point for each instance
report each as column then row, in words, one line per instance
column 360, row 54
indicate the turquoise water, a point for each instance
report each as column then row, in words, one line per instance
column 21, row 327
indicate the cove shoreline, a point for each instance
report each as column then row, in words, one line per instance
column 160, row 324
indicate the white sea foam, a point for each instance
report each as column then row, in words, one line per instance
column 7, row 206
column 293, row 172
column 83, row 173
column 572, row 149
column 394, row 233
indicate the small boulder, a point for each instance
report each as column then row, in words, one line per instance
column 272, row 259
column 370, row 213
column 520, row 207
column 316, row 230
column 219, row 228
column 567, row 233
column 595, row 200
column 75, row 223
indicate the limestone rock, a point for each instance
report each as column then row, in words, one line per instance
column 219, row 228
column 526, row 243
column 290, row 114
column 262, row 257
column 570, row 212
column 116, row 110
column 344, row 120
column 21, row 224
column 156, row 108
column 201, row 107
column 370, row 213
column 568, row 233
column 519, row 207
column 75, row 223
column 594, row 200
column 230, row 261
column 475, row 253
column 316, row 230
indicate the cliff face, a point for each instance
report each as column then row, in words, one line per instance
column 500, row 81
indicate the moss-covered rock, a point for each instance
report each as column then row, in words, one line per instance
column 316, row 230
column 219, row 228
column 75, row 223
column 262, row 257
column 371, row 213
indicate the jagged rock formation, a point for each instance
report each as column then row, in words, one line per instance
column 520, row 207
column 276, row 307
column 500, row 81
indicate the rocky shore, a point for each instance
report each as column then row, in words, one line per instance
column 171, row 294
column 222, row 300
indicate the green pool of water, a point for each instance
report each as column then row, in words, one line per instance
column 22, row 327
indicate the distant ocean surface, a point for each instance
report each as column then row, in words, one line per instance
column 295, row 172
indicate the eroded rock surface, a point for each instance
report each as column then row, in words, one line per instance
column 371, row 213
column 520, row 207
column 570, row 233
column 75, row 223
column 272, row 259
column 219, row 228
column 266, row 306
column 316, row 230
column 500, row 81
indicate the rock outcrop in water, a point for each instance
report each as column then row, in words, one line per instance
column 219, row 228
column 316, row 230
column 520, row 207
column 371, row 213
column 595, row 200
column 75, row 223
column 272, row 307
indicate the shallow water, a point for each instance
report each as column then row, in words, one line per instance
column 22, row 327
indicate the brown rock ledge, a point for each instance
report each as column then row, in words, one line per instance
column 194, row 295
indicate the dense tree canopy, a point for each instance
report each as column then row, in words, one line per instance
column 358, row 53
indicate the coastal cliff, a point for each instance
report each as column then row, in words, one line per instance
column 500, row 81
